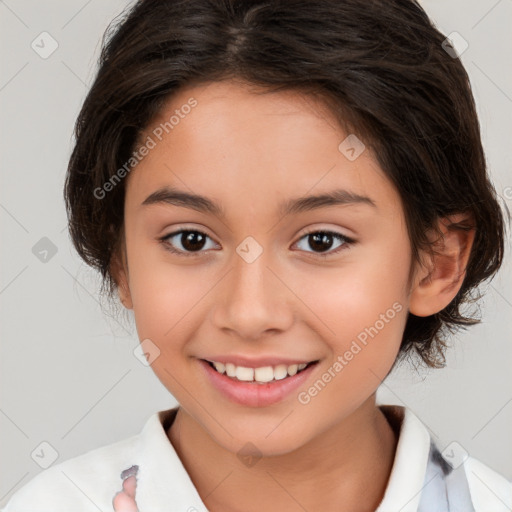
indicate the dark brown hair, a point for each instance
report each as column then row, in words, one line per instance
column 381, row 67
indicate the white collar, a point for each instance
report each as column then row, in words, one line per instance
column 407, row 477
column 162, row 477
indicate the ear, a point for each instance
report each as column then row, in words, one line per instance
column 119, row 270
column 436, row 284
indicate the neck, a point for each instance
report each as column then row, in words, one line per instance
column 344, row 468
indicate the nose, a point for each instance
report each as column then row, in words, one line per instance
column 254, row 299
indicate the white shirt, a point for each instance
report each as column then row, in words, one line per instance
column 417, row 483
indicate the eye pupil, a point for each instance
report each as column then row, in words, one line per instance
column 320, row 240
column 189, row 240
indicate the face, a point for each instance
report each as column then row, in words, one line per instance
column 258, row 279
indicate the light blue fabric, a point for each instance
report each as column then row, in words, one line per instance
column 445, row 489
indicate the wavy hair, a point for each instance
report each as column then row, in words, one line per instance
column 380, row 65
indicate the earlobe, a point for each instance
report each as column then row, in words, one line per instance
column 124, row 294
column 120, row 276
column 437, row 283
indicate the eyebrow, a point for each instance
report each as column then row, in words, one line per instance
column 173, row 196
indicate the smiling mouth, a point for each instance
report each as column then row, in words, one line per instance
column 262, row 375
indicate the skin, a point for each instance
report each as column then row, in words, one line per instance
column 249, row 152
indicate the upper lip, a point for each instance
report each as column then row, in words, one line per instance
column 257, row 362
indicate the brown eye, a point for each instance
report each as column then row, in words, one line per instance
column 322, row 241
column 187, row 241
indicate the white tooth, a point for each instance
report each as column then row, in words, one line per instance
column 230, row 370
column 302, row 366
column 292, row 369
column 280, row 371
column 219, row 367
column 264, row 374
column 243, row 373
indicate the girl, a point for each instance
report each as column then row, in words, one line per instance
column 290, row 196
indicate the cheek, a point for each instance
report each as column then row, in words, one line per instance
column 362, row 305
column 355, row 295
column 164, row 296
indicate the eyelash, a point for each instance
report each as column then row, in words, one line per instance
column 347, row 242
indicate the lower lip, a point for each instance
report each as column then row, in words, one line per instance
column 253, row 394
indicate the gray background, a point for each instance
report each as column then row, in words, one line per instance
column 67, row 368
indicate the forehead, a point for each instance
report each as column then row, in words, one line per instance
column 232, row 140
